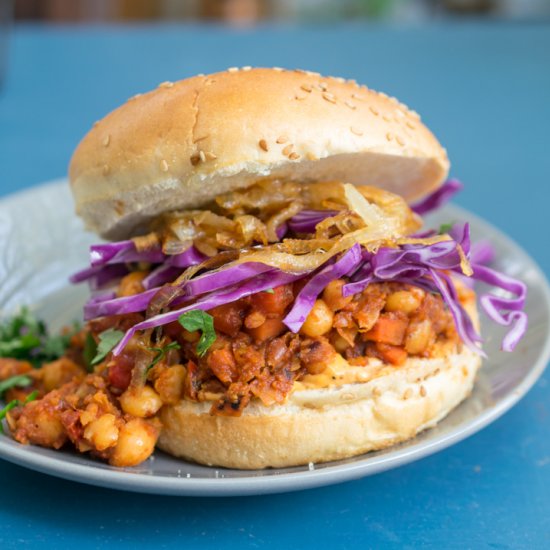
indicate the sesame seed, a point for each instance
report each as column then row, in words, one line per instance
column 294, row 156
column 200, row 74
column 195, row 159
column 389, row 136
column 414, row 114
column 106, row 169
column 376, row 391
column 202, row 156
column 106, row 140
column 307, row 88
column 288, row 149
column 300, row 71
column 350, row 105
column 356, row 131
column 312, row 156
column 233, row 70
column 312, row 73
column 423, row 391
column 386, row 118
column 408, row 393
column 164, row 165
column 246, row 68
column 263, row 145
column 356, row 96
column 400, row 140
column 166, row 84
column 323, row 86
column 352, row 82
column 329, row 97
column 96, row 123
column 374, row 110
column 399, row 113
column 300, row 97
column 339, row 79
column 410, row 125
column 278, row 69
column 282, row 139
column 135, row 97
column 382, row 94
column 210, row 156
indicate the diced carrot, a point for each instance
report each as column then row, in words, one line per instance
column 389, row 329
column 228, row 318
column 273, row 302
column 391, row 354
column 269, row 329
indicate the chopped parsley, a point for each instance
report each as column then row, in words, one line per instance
column 199, row 320
column 108, row 339
column 161, row 353
column 445, row 228
column 26, row 338
column 19, row 381
column 14, row 403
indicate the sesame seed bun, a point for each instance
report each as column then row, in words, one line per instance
column 184, row 143
column 324, row 424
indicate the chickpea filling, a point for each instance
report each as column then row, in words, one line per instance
column 112, row 412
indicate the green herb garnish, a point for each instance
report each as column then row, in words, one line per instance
column 200, row 320
column 445, row 228
column 26, row 338
column 161, row 353
column 14, row 403
column 269, row 291
column 19, row 381
column 89, row 351
column 108, row 339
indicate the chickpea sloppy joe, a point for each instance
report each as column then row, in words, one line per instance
column 268, row 296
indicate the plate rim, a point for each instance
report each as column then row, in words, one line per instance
column 257, row 484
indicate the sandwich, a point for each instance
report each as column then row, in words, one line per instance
column 267, row 294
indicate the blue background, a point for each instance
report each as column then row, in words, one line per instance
column 484, row 89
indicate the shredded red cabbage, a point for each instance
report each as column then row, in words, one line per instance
column 116, row 306
column 502, row 310
column 262, row 282
column 438, row 198
column 431, row 267
column 306, row 220
column 304, row 301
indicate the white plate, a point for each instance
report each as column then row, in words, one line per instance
column 43, row 242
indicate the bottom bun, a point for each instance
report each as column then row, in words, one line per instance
column 319, row 425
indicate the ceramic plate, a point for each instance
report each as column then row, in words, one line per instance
column 43, row 242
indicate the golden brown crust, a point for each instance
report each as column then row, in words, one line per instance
column 324, row 424
column 184, row 143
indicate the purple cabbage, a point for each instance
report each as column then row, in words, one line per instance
column 502, row 310
column 306, row 220
column 438, row 198
column 263, row 281
column 304, row 301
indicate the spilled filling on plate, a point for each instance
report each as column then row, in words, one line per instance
column 248, row 299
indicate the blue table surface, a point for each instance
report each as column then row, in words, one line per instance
column 484, row 89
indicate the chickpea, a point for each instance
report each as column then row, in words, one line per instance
column 136, row 441
column 339, row 343
column 169, row 384
column 332, row 295
column 419, row 337
column 102, row 433
column 319, row 320
column 131, row 284
column 404, row 301
column 140, row 402
column 57, row 373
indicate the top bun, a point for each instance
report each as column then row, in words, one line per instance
column 181, row 145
